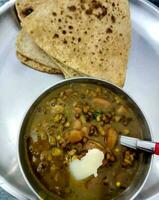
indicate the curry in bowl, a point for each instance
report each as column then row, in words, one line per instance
column 64, row 126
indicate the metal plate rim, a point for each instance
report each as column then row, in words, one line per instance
column 4, row 184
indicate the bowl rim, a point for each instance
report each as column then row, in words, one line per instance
column 71, row 80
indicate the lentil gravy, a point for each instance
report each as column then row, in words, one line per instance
column 68, row 122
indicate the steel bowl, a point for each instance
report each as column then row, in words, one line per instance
column 145, row 162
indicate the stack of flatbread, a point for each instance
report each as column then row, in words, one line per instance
column 75, row 37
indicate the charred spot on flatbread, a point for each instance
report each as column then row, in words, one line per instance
column 27, row 11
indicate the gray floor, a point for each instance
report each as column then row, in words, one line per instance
column 4, row 195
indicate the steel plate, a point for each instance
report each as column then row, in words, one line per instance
column 19, row 87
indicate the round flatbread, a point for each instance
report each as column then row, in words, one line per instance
column 89, row 36
column 26, row 7
column 35, row 65
column 26, row 47
column 37, row 58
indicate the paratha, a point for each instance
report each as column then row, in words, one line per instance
column 35, row 65
column 26, row 7
column 37, row 58
column 28, row 52
column 26, row 47
column 31, row 54
column 89, row 36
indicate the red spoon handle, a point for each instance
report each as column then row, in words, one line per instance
column 157, row 149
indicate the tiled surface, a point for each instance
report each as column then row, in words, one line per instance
column 2, row 2
column 4, row 195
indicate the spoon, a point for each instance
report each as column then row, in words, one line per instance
column 135, row 143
